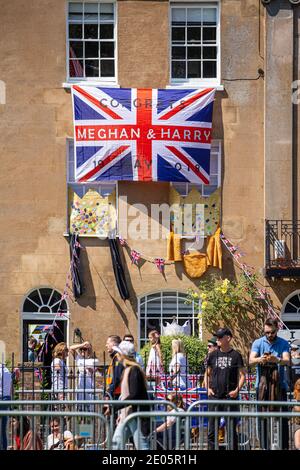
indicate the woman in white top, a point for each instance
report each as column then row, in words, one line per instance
column 179, row 367
column 85, row 369
column 154, row 367
column 59, row 371
column 56, row 440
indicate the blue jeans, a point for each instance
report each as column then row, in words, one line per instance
column 131, row 429
column 3, row 426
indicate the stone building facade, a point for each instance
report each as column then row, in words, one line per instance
column 253, row 124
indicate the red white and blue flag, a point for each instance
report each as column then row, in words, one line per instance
column 142, row 134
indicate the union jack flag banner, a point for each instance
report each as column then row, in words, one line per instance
column 142, row 134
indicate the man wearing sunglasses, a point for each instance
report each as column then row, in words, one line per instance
column 270, row 354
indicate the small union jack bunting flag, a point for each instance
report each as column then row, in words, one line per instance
column 135, row 257
column 160, row 263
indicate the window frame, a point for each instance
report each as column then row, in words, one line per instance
column 196, row 82
column 27, row 318
column 104, row 81
column 143, row 300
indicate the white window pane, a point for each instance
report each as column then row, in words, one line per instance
column 194, row 15
column 106, row 11
column 91, row 12
column 178, row 15
column 91, row 8
column 213, row 180
column 214, row 163
column 209, row 16
column 75, row 11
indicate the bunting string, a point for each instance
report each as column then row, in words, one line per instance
column 237, row 254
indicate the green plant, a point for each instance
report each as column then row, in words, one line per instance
column 195, row 350
column 233, row 303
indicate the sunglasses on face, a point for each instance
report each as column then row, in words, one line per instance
column 210, row 345
column 270, row 333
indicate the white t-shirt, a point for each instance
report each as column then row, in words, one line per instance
column 5, row 381
column 86, row 369
column 51, row 440
column 181, row 380
column 59, row 376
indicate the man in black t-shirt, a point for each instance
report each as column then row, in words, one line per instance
column 226, row 376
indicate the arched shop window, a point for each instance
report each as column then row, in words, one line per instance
column 290, row 313
column 158, row 308
column 38, row 312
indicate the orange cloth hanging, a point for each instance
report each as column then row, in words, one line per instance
column 195, row 264
column 214, row 250
column 174, row 247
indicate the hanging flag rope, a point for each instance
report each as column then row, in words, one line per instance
column 249, row 271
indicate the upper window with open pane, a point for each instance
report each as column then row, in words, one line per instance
column 91, row 40
column 195, row 43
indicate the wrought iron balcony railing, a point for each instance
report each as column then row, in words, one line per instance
column 282, row 248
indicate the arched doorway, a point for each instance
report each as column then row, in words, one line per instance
column 290, row 314
column 39, row 309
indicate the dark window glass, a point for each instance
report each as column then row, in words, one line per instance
column 45, row 294
column 209, row 69
column 92, row 68
column 194, row 52
column 193, row 34
column 76, row 49
column 194, row 69
column 91, row 49
column 75, row 31
column 76, row 68
column 178, row 69
column 209, row 34
column 107, row 68
column 106, row 31
column 91, row 31
column 178, row 34
column 106, row 49
column 209, row 52
column 178, row 52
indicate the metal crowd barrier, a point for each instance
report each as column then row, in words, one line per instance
column 183, row 423
column 85, row 412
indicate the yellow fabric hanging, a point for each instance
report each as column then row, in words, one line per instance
column 214, row 250
column 195, row 264
column 174, row 247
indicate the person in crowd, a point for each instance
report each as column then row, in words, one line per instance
column 295, row 364
column 296, row 420
column 166, row 432
column 179, row 367
column 85, row 370
column 137, row 357
column 5, row 395
column 154, row 368
column 59, row 369
column 24, row 437
column 114, row 372
column 270, row 354
column 32, row 344
column 115, row 368
column 58, row 440
column 225, row 378
column 133, row 387
column 211, row 346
